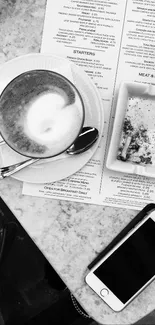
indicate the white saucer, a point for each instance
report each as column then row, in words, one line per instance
column 51, row 171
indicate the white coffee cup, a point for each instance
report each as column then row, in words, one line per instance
column 41, row 113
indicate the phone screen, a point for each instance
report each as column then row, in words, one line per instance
column 132, row 265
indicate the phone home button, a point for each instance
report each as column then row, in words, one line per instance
column 104, row 292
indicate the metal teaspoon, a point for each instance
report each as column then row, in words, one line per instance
column 85, row 140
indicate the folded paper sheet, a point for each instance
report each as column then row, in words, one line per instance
column 106, row 44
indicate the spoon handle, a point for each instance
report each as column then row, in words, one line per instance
column 85, row 140
column 10, row 170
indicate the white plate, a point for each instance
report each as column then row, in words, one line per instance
column 51, row 171
column 129, row 89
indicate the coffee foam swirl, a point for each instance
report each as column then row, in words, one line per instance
column 51, row 122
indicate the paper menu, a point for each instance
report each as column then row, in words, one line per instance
column 112, row 41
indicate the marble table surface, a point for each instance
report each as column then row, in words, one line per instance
column 69, row 234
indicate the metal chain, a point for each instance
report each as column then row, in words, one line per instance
column 77, row 307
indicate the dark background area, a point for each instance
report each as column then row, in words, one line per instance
column 30, row 289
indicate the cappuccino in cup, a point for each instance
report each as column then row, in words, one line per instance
column 41, row 114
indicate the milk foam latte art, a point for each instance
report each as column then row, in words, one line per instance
column 41, row 114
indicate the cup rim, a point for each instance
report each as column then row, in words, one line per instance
column 82, row 105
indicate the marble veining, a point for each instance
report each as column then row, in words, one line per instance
column 69, row 234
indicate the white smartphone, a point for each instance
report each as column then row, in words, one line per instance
column 127, row 268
